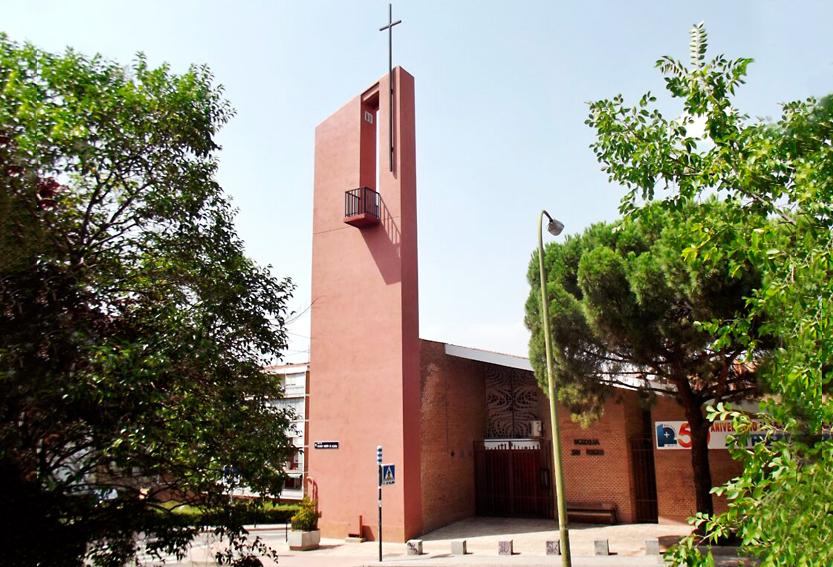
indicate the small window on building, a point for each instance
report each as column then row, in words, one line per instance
column 293, row 483
column 294, row 461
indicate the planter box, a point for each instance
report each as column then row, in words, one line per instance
column 304, row 541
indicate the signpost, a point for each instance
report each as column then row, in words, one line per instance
column 387, row 476
column 379, row 466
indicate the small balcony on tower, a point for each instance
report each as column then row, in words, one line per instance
column 361, row 207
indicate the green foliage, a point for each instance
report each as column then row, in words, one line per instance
column 775, row 181
column 133, row 328
column 254, row 512
column 699, row 45
column 306, row 518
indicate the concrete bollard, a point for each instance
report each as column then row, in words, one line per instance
column 652, row 546
column 414, row 546
column 554, row 547
column 601, row 548
column 505, row 547
column 458, row 547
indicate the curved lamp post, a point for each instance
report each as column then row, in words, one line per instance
column 554, row 227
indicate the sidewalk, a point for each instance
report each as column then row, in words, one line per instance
column 626, row 543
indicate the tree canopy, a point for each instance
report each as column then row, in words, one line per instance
column 624, row 307
column 133, row 328
column 775, row 180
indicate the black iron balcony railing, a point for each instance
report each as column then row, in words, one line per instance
column 361, row 206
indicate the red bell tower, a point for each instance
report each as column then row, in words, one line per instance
column 364, row 349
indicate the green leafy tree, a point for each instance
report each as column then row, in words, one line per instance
column 775, row 180
column 133, row 329
column 624, row 307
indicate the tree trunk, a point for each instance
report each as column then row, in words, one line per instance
column 700, row 459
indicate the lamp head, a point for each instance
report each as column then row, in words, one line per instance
column 555, row 227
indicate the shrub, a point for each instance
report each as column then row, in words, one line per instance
column 306, row 518
column 265, row 513
column 271, row 514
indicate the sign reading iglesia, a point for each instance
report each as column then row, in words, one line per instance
column 595, row 452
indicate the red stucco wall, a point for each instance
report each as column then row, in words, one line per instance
column 364, row 348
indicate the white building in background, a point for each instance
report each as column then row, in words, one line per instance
column 295, row 382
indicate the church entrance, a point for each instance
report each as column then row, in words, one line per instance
column 513, row 478
column 513, row 465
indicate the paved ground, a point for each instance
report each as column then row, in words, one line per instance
column 627, row 546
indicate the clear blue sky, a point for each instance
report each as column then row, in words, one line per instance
column 501, row 102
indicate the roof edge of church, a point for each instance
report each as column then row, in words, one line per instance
column 491, row 357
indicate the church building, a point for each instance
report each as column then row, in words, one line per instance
column 467, row 430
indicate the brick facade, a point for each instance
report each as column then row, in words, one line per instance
column 600, row 478
column 453, row 418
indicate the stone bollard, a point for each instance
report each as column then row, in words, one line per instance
column 505, row 548
column 601, row 547
column 458, row 547
column 414, row 546
column 554, row 547
column 652, row 546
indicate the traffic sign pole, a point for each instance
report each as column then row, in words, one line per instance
column 379, row 467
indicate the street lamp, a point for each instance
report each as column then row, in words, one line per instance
column 554, row 227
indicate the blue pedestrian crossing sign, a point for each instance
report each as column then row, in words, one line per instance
column 388, row 475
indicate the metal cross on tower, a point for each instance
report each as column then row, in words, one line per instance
column 389, row 27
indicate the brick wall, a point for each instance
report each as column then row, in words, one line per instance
column 453, row 417
column 675, row 478
column 599, row 478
